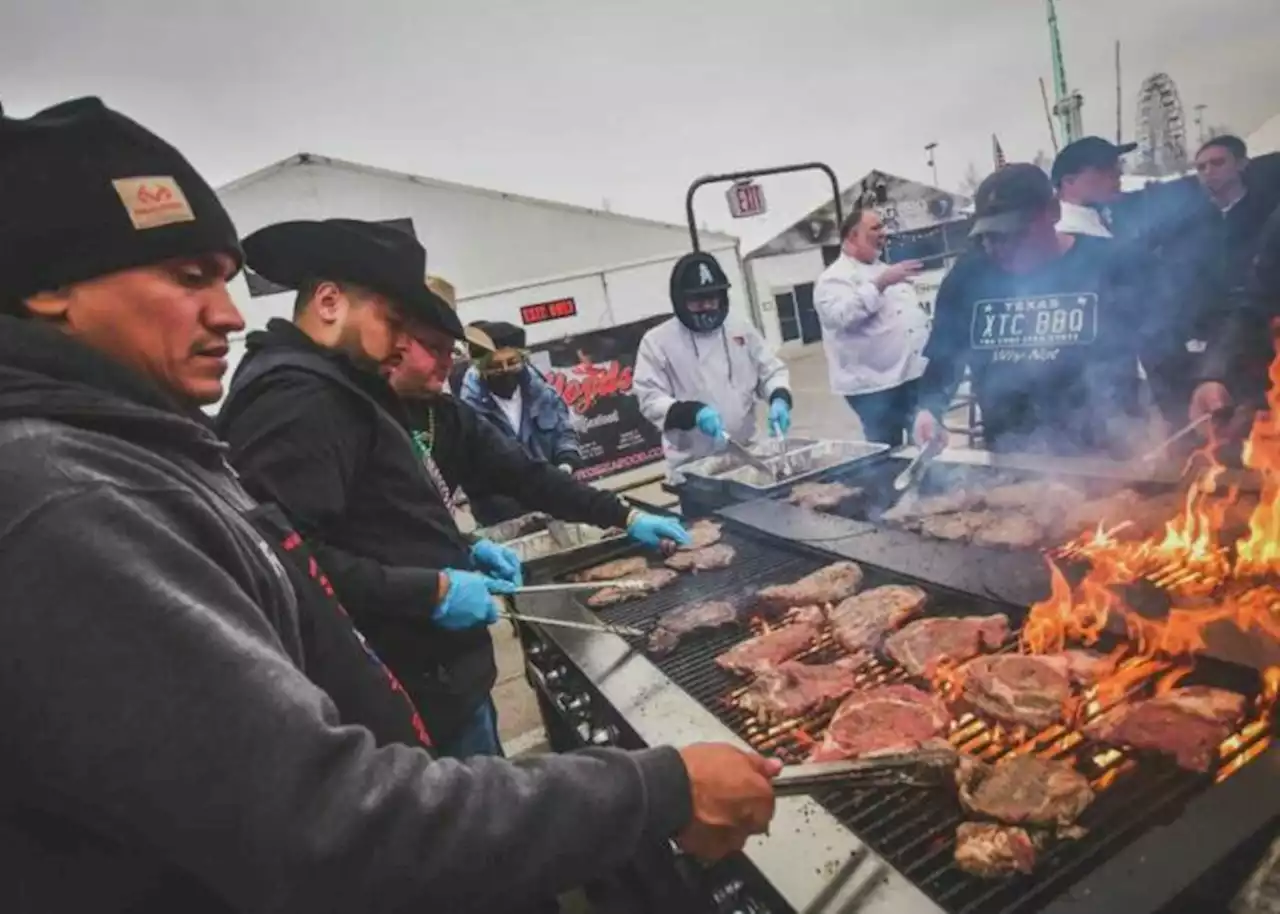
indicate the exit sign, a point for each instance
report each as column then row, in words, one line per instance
column 746, row 199
column 548, row 311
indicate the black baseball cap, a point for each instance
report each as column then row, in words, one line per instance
column 1009, row 198
column 1087, row 152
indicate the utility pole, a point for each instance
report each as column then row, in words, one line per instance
column 1119, row 102
column 1067, row 104
column 933, row 163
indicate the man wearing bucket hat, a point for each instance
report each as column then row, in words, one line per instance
column 167, row 747
column 315, row 428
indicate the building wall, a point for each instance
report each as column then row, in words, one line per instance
column 478, row 240
column 774, row 275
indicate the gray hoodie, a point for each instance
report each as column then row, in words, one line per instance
column 163, row 750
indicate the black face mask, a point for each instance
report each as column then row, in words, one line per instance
column 703, row 321
column 503, row 385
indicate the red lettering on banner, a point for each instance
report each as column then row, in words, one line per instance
column 590, row 383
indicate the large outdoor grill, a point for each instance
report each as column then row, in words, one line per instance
column 1158, row 838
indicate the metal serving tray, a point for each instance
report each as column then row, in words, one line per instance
column 722, row 480
column 560, row 538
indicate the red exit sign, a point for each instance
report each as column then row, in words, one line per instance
column 746, row 199
column 548, row 311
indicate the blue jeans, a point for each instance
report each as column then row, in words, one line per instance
column 478, row 737
column 886, row 415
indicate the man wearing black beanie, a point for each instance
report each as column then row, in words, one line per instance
column 164, row 749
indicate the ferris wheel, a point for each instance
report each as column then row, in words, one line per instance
column 1162, row 127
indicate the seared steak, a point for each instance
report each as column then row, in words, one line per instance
column 793, row 689
column 652, row 578
column 1024, row 790
column 721, row 555
column 1085, row 668
column 956, row 526
column 765, row 652
column 1188, row 724
column 913, row 508
column 861, row 622
column 893, row 719
column 702, row 534
column 922, row 646
column 988, row 850
column 678, row 623
column 822, row 496
column 1018, row 688
column 615, row 570
column 1017, row 531
column 825, row 586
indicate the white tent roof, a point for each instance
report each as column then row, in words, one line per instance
column 1266, row 138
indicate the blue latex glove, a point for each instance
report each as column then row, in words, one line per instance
column 467, row 600
column 709, row 422
column 651, row 530
column 499, row 561
column 779, row 417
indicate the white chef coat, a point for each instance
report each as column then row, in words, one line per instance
column 874, row 340
column 730, row 369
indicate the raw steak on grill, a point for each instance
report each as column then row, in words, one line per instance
column 652, row 578
column 793, row 689
column 893, row 719
column 1018, row 688
column 987, row 850
column 1188, row 724
column 922, row 646
column 765, row 652
column 1024, row 790
column 614, row 571
column 825, row 586
column 822, row 496
column 674, row 625
column 721, row 555
column 861, row 621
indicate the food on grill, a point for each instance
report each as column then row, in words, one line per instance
column 766, row 652
column 793, row 689
column 653, row 579
column 923, row 646
column 702, row 534
column 956, row 526
column 1188, row 724
column 1017, row 531
column 721, row 555
column 1024, row 790
column 988, row 850
column 1018, row 688
column 822, row 496
column 1029, row 494
column 827, row 585
column 1085, row 668
column 615, row 570
column 1016, row 515
column 913, row 508
column 686, row 620
column 897, row 719
column 860, row 622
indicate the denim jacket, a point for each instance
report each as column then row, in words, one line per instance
column 546, row 430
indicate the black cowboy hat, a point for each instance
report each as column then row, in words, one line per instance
column 378, row 257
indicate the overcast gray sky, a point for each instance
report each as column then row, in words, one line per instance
column 582, row 100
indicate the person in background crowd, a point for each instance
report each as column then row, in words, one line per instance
column 1235, row 375
column 1040, row 322
column 179, row 758
column 512, row 397
column 315, row 428
column 1087, row 176
column 1222, row 165
column 698, row 377
column 874, row 329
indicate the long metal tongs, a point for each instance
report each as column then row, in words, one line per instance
column 606, row 628
column 741, row 452
column 926, row 768
column 914, row 472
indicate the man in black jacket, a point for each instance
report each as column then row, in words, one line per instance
column 315, row 428
column 165, row 750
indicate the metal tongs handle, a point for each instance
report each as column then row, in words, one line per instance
column 927, row 768
column 915, row 469
column 623, row 584
column 751, row 459
column 608, row 628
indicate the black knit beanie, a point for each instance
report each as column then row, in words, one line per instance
column 85, row 192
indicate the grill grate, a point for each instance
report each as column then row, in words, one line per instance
column 914, row 829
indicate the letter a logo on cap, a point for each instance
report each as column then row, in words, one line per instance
column 153, row 201
column 704, row 275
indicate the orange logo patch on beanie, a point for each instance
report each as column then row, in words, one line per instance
column 153, row 201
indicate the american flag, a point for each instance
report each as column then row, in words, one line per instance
column 997, row 152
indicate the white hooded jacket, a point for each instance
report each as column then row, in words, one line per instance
column 730, row 369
